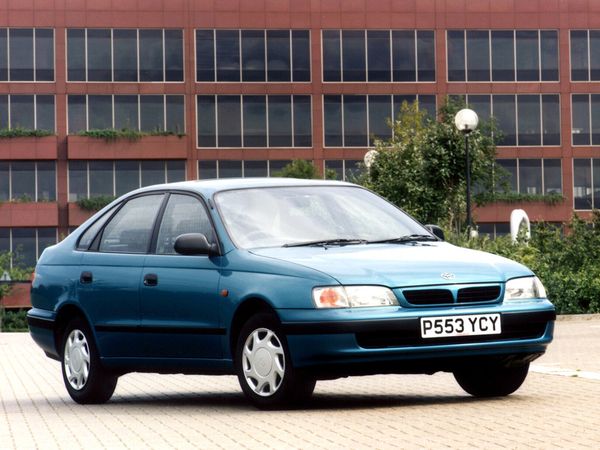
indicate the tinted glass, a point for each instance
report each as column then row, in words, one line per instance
column 478, row 55
column 552, row 176
column 481, row 104
column 302, row 121
column 253, row 55
column 529, row 119
column 549, row 55
column 280, row 121
column 595, row 111
column 403, row 55
column 24, row 247
column 153, row 172
column 23, row 181
column 100, row 112
column 503, row 55
column 101, row 178
column 44, row 54
column 353, row 55
column 22, row 112
column 355, row 121
column 353, row 169
column 399, row 101
column 332, row 118
column 427, row 103
column 300, row 55
column 380, row 113
column 337, row 167
column 152, row 113
column 229, row 120
column 5, row 240
column 527, row 55
column 530, row 176
column 206, row 121
column 130, row 229
column 126, row 112
column 582, row 183
column 581, row 119
column 127, row 176
column 21, row 54
column 3, row 111
column 426, row 55
column 551, row 119
column 594, row 53
column 99, row 56
column 3, row 54
column 45, row 112
column 77, row 180
column 504, row 113
column 230, row 169
column 228, row 55
column 46, row 181
column 378, row 49
column 278, row 55
column 596, row 182
column 510, row 177
column 456, row 55
column 125, row 55
column 88, row 236
column 175, row 113
column 207, row 170
column 46, row 238
column 255, row 169
column 205, row 55
column 331, row 55
column 255, row 121
column 579, row 55
column 151, row 55
column 76, row 113
column 76, row 55
column 175, row 171
column 173, row 55
column 4, row 182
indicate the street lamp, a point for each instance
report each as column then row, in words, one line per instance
column 466, row 120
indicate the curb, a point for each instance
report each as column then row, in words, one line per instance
column 577, row 317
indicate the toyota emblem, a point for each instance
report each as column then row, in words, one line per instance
column 448, row 276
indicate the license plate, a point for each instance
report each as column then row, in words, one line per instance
column 471, row 325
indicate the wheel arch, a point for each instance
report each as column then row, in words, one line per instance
column 245, row 310
column 64, row 315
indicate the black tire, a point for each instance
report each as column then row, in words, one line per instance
column 100, row 384
column 289, row 390
column 492, row 380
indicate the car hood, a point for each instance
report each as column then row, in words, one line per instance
column 400, row 265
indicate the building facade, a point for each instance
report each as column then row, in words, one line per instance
column 229, row 88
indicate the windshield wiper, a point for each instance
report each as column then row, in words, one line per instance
column 407, row 238
column 324, row 242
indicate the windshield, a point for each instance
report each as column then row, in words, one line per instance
column 289, row 216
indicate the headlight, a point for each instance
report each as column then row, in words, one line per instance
column 353, row 296
column 522, row 288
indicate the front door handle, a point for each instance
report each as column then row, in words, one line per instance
column 86, row 278
column 150, row 279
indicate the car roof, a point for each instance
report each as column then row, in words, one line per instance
column 210, row 187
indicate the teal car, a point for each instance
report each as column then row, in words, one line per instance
column 282, row 282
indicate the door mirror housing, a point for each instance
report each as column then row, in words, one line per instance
column 194, row 244
column 436, row 231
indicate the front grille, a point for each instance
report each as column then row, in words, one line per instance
column 478, row 294
column 428, row 296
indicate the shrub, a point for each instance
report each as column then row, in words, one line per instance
column 6, row 133
column 13, row 320
column 94, row 203
column 130, row 134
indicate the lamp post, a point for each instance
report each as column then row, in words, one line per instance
column 466, row 121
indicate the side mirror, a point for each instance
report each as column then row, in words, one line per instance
column 436, row 231
column 194, row 244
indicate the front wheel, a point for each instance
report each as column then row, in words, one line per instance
column 264, row 366
column 491, row 380
column 85, row 378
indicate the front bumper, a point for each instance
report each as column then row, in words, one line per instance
column 380, row 340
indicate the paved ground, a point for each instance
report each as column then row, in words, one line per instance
column 558, row 406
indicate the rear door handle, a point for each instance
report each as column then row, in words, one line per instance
column 86, row 278
column 150, row 279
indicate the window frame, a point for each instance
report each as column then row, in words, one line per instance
column 38, row 253
column 36, row 181
column 35, row 116
column 34, row 68
column 542, row 174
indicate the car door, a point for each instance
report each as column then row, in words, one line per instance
column 110, row 276
column 179, row 293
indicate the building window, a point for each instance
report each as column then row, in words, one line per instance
column 585, row 111
column 124, row 55
column 29, row 112
column 146, row 113
column 378, row 55
column 114, row 178
column 523, row 120
column 254, row 121
column 26, row 244
column 531, row 176
column 28, row 181
column 493, row 230
column 357, row 120
column 586, row 183
column 26, row 54
column 502, row 55
column 253, row 55
column 345, row 169
column 585, row 54
column 238, row 169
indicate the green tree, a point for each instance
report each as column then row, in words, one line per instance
column 300, row 168
column 422, row 167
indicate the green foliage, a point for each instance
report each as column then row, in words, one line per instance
column 10, row 320
column 567, row 264
column 94, row 203
column 300, row 168
column 13, row 320
column 130, row 134
column 485, row 198
column 422, row 167
column 6, row 133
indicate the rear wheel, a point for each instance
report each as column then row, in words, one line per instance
column 264, row 366
column 492, row 380
column 84, row 377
